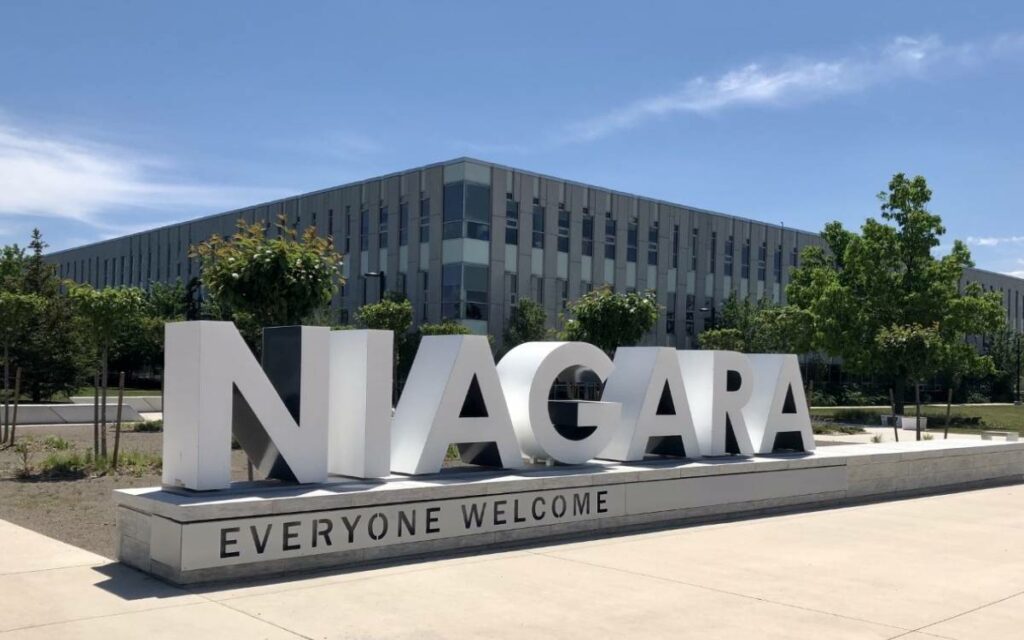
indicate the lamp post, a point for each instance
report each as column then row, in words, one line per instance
column 380, row 283
column 1017, row 402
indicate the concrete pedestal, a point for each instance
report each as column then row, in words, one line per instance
column 254, row 530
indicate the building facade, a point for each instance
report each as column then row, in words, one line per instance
column 467, row 240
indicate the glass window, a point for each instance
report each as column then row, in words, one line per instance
column 382, row 227
column 778, row 263
column 713, row 254
column 690, row 308
column 730, row 246
column 675, row 246
column 451, row 290
column 631, row 233
column 794, row 257
column 670, row 313
column 609, row 236
column 588, row 234
column 330, row 222
column 563, row 230
column 364, row 230
column 538, row 226
column 762, row 261
column 467, row 208
column 652, row 243
column 694, row 246
column 511, row 222
column 403, row 224
column 745, row 260
column 425, row 220
column 464, row 291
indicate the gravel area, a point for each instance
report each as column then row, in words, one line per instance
column 77, row 511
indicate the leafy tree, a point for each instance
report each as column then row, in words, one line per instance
column 17, row 311
column 883, row 287
column 1002, row 347
column 527, row 324
column 275, row 281
column 610, row 320
column 761, row 327
column 107, row 315
column 49, row 349
column 388, row 314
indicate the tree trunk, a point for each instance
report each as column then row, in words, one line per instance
column 96, row 414
column 917, row 403
column 949, row 407
column 117, row 423
column 7, row 396
column 17, row 398
column 899, row 403
column 103, row 407
column 892, row 406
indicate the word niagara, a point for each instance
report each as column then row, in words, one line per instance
column 320, row 404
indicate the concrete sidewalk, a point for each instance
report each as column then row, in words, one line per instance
column 947, row 566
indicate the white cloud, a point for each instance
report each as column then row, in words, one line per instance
column 799, row 80
column 994, row 241
column 1015, row 274
column 47, row 175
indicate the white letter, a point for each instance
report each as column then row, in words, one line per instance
column 452, row 397
column 214, row 386
column 360, row 415
column 527, row 373
column 718, row 384
column 655, row 410
column 778, row 405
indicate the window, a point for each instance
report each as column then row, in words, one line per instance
column 403, row 224
column 713, row 254
column 652, row 243
column 512, row 287
column 778, row 264
column 364, row 230
column 467, row 210
column 537, row 289
column 347, row 229
column 694, row 244
column 762, row 261
column 330, row 222
column 631, row 233
column 382, row 227
column 670, row 313
column 794, row 257
column 730, row 247
column 745, row 259
column 563, row 230
column 424, row 284
column 675, row 246
column 588, row 234
column 425, row 220
column 538, row 226
column 691, row 303
column 312, row 224
column 609, row 236
column 464, row 291
column 511, row 222
column 563, row 292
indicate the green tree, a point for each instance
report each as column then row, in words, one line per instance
column 106, row 315
column 760, row 327
column 527, row 324
column 388, row 314
column 17, row 311
column 884, row 285
column 49, row 349
column 610, row 320
column 275, row 281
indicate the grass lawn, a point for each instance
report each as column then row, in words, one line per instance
column 964, row 417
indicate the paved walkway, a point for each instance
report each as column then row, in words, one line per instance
column 949, row 566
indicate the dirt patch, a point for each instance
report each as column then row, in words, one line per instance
column 77, row 511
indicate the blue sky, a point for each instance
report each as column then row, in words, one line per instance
column 118, row 116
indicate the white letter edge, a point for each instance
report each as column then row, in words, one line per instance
column 442, row 405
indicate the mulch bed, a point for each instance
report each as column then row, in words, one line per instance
column 79, row 511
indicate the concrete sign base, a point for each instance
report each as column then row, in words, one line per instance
column 188, row 537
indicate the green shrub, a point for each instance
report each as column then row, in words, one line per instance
column 857, row 416
column 819, row 398
column 65, row 464
column 57, row 443
column 148, row 426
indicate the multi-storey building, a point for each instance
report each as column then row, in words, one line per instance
column 467, row 240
